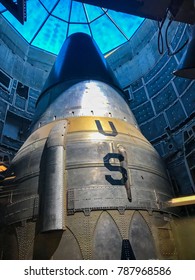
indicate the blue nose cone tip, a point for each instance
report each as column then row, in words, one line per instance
column 80, row 59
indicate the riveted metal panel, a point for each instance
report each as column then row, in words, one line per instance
column 26, row 209
column 88, row 98
column 53, row 205
column 108, row 247
column 141, row 238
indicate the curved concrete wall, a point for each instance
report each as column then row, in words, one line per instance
column 164, row 105
column 21, row 64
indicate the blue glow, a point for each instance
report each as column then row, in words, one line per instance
column 34, row 20
column 73, row 28
column 78, row 13
column 113, row 36
column 2, row 8
column 49, row 22
column 49, row 5
column 93, row 12
column 52, row 35
column 63, row 11
column 131, row 22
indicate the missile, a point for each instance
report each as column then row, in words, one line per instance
column 86, row 184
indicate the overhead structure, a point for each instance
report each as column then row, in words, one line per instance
column 110, row 22
column 181, row 10
column 17, row 8
column 54, row 21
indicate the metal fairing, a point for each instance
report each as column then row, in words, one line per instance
column 86, row 183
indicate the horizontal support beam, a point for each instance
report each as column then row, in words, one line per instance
column 181, row 10
column 151, row 9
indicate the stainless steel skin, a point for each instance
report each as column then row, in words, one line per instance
column 54, row 189
column 86, row 184
column 115, row 186
column 95, row 174
column 86, row 98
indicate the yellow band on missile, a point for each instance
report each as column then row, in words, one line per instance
column 89, row 124
column 182, row 201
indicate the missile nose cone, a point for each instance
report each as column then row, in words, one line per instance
column 80, row 59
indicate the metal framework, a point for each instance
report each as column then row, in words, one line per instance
column 17, row 8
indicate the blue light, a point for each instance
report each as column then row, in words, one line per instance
column 62, row 10
column 131, row 22
column 93, row 12
column 78, row 13
column 113, row 37
column 48, row 4
column 52, row 35
column 2, row 8
column 49, row 22
column 36, row 15
column 73, row 28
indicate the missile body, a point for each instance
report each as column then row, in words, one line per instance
column 86, row 184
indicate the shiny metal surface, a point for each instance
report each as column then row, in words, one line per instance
column 53, row 206
column 88, row 168
column 87, row 98
column 97, row 197
column 86, row 181
column 102, row 207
